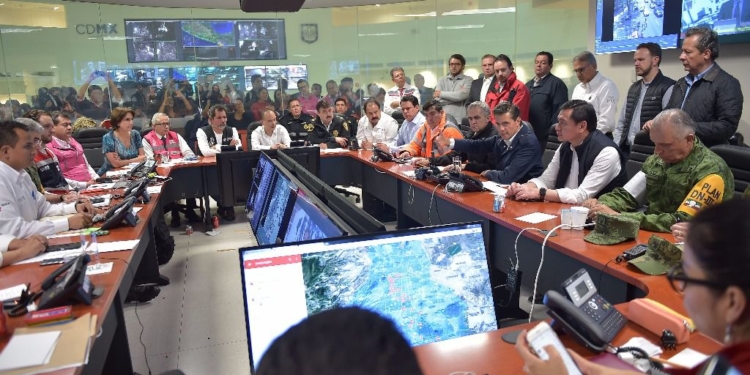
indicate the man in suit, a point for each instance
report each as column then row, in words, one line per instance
column 480, row 85
column 548, row 94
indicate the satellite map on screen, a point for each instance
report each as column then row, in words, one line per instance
column 208, row 33
column 433, row 288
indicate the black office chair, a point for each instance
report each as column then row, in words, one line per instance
column 641, row 149
column 90, row 137
column 250, row 129
column 465, row 127
column 738, row 160
column 552, row 144
column 737, row 140
column 144, row 132
column 451, row 119
column 399, row 117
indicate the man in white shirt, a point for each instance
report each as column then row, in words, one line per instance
column 269, row 136
column 394, row 94
column 481, row 85
column 586, row 165
column 376, row 127
column 162, row 140
column 14, row 249
column 596, row 89
column 21, row 205
column 216, row 135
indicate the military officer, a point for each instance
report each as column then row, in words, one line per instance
column 681, row 177
column 298, row 124
column 329, row 131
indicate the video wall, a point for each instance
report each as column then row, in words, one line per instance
column 196, row 40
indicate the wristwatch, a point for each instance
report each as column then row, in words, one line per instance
column 542, row 193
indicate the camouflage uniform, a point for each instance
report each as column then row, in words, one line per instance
column 659, row 258
column 675, row 191
column 613, row 229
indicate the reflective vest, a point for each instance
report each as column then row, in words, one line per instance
column 49, row 170
column 172, row 148
column 71, row 158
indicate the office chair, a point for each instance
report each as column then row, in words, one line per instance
column 738, row 160
column 641, row 149
column 553, row 143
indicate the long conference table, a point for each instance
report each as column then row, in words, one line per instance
column 484, row 353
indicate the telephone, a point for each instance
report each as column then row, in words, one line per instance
column 379, row 155
column 138, row 189
column 585, row 315
column 353, row 144
column 143, row 168
column 461, row 182
column 59, row 289
column 122, row 211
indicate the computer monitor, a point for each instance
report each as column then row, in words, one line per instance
column 234, row 168
column 308, row 178
column 264, row 164
column 432, row 282
column 308, row 222
column 621, row 25
column 274, row 216
column 261, row 196
column 361, row 221
column 307, row 157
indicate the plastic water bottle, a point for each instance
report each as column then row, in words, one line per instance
column 94, row 252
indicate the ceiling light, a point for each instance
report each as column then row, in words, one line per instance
column 379, row 34
column 16, row 30
column 460, row 27
column 56, row 8
column 479, row 11
column 430, row 14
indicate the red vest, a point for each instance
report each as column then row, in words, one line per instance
column 71, row 159
column 172, row 148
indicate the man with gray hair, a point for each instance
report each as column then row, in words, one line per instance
column 393, row 96
column 478, row 113
column 710, row 95
column 596, row 89
column 681, row 177
column 162, row 141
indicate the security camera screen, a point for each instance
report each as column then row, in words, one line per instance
column 196, row 40
column 621, row 25
column 726, row 17
column 272, row 74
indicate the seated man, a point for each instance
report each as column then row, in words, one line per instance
column 424, row 144
column 163, row 141
column 22, row 206
column 347, row 340
column 45, row 160
column 594, row 166
column 413, row 120
column 14, row 249
column 328, row 131
column 481, row 128
column 681, row 177
column 376, row 127
column 269, row 136
column 516, row 150
column 215, row 135
column 75, row 168
column 298, row 124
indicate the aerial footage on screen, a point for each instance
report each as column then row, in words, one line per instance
column 621, row 25
column 726, row 17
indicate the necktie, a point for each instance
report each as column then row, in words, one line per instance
column 401, row 92
column 164, row 141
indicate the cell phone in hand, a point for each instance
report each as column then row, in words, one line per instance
column 542, row 335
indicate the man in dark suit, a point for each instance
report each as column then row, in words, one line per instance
column 548, row 94
column 480, row 85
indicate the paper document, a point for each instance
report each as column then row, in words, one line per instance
column 495, row 188
column 408, row 173
column 34, row 349
column 100, row 268
column 154, row 189
column 536, row 217
column 333, row 150
column 100, row 187
column 688, row 358
column 103, row 247
column 118, row 173
column 12, row 292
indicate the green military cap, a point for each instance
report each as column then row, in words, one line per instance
column 659, row 258
column 613, row 229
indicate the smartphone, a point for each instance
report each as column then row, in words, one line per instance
column 542, row 335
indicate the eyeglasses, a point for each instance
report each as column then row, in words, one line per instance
column 581, row 70
column 37, row 142
column 162, row 124
column 678, row 280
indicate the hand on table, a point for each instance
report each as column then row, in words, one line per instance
column 679, row 231
column 79, row 221
column 341, row 141
column 527, row 192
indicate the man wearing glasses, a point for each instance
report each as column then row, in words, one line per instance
column 596, row 89
column 46, row 162
column 453, row 90
column 162, row 141
column 306, row 99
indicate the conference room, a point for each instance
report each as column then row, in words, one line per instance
column 171, row 56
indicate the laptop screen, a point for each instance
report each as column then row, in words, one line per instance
column 433, row 282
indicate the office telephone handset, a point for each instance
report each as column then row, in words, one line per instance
column 143, row 168
column 69, row 282
column 461, row 182
column 585, row 315
column 118, row 213
column 138, row 189
column 353, row 144
column 378, row 155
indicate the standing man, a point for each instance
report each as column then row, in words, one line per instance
column 392, row 102
column 306, row 99
column 710, row 95
column 269, row 136
column 96, row 107
column 329, row 131
column 548, row 94
column 333, row 92
column 506, row 87
column 252, row 95
column 453, row 89
column 217, row 135
column 297, row 123
column 424, row 92
column 596, row 89
column 376, row 127
column 646, row 97
column 479, row 86
column 586, row 165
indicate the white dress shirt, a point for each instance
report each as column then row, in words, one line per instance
column 5, row 241
column 21, row 206
column 259, row 140
column 386, row 131
column 485, row 87
column 184, row 148
column 394, row 94
column 207, row 150
column 602, row 93
column 605, row 168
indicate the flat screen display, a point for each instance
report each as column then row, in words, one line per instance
column 308, row 222
column 262, row 193
column 432, row 282
column 621, row 25
column 264, row 164
column 197, row 39
column 277, row 208
column 272, row 74
column 726, row 17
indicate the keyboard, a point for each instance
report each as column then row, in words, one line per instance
column 66, row 246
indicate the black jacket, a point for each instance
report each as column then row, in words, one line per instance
column 319, row 133
column 650, row 107
column 298, row 128
column 715, row 104
column 475, row 92
column 587, row 153
column 546, row 99
column 477, row 162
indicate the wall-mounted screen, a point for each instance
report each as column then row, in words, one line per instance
column 621, row 25
column 197, row 39
column 272, row 74
column 729, row 18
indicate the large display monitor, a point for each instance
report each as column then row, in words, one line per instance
column 274, row 214
column 621, row 25
column 729, row 18
column 309, row 222
column 273, row 73
column 156, row 40
column 432, row 282
column 266, row 176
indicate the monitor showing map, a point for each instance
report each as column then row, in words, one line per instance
column 262, row 192
column 729, row 18
column 155, row 40
column 276, row 211
column 432, row 282
column 621, row 25
column 308, row 222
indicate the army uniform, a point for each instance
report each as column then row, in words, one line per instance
column 660, row 256
column 673, row 192
column 320, row 134
column 298, row 128
column 746, row 194
column 613, row 229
